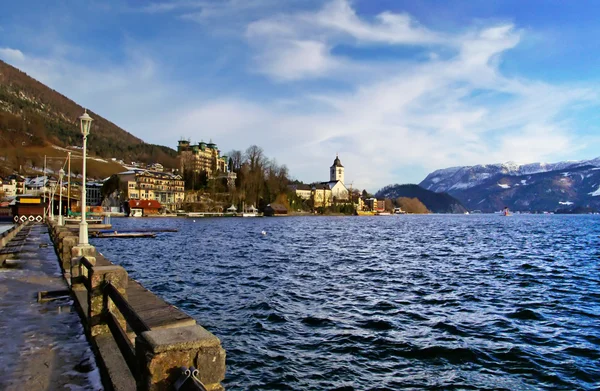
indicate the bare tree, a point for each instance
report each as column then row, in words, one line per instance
column 237, row 159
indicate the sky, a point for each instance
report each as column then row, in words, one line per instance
column 396, row 88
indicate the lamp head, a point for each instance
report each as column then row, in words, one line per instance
column 86, row 123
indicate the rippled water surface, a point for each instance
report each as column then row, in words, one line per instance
column 384, row 303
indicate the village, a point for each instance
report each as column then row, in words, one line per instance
column 206, row 183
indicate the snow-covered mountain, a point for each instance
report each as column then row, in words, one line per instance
column 532, row 187
column 466, row 177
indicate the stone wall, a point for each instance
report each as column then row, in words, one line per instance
column 159, row 354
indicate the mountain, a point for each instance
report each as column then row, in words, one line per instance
column 435, row 202
column 34, row 115
column 565, row 186
column 460, row 178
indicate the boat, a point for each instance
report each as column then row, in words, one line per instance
column 383, row 214
column 505, row 212
column 136, row 213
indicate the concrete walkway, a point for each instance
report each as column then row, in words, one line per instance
column 42, row 345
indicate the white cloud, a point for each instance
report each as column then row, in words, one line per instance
column 390, row 28
column 391, row 121
column 10, row 55
column 297, row 59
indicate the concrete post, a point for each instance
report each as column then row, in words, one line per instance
column 78, row 251
column 97, row 307
column 161, row 353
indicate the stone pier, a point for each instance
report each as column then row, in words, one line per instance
column 172, row 339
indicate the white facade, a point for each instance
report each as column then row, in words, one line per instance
column 336, row 171
column 9, row 188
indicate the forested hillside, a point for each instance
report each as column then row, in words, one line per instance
column 435, row 202
column 32, row 114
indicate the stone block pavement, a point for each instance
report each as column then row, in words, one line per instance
column 42, row 345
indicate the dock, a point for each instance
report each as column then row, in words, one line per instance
column 122, row 235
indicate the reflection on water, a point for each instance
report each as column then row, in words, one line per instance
column 395, row 302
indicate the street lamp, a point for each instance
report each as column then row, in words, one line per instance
column 52, row 192
column 61, row 174
column 86, row 124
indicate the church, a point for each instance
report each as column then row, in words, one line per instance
column 326, row 193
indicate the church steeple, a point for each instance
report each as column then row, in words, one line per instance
column 336, row 171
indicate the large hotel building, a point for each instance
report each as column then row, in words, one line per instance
column 201, row 157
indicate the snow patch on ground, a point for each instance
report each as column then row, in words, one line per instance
column 565, row 174
column 565, row 202
column 60, row 148
column 504, row 185
column 461, row 185
column 524, row 182
column 595, row 193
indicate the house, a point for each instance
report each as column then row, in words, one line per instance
column 143, row 207
column 275, row 209
column 164, row 187
column 5, row 212
column 93, row 193
column 19, row 181
column 156, row 167
column 9, row 188
column 26, row 207
column 374, row 205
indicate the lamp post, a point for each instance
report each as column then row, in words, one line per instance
column 52, row 192
column 86, row 123
column 61, row 174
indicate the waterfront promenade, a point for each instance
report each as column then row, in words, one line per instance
column 139, row 341
column 42, row 345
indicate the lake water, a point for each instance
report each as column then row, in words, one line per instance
column 384, row 303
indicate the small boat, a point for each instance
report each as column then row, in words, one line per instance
column 505, row 212
column 383, row 214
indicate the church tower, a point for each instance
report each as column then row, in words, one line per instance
column 336, row 171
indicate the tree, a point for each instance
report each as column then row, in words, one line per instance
column 110, row 185
column 236, row 160
column 389, row 205
column 411, row 205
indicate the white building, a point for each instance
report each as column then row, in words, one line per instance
column 325, row 193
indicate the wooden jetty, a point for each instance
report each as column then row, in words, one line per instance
column 91, row 227
column 123, row 235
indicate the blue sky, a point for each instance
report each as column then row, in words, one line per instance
column 398, row 88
